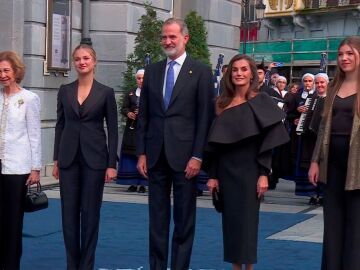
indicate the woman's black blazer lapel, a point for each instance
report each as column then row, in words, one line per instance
column 93, row 97
column 71, row 93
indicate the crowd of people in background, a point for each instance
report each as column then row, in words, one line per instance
column 175, row 132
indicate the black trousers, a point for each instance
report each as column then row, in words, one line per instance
column 81, row 190
column 341, row 245
column 12, row 198
column 161, row 179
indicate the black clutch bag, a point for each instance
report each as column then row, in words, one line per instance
column 35, row 199
column 217, row 200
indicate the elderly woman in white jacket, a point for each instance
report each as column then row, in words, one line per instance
column 20, row 155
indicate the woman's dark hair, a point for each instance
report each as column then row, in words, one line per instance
column 229, row 92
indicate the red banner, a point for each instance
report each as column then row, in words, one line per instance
column 252, row 33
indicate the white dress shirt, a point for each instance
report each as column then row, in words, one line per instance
column 177, row 67
column 20, row 132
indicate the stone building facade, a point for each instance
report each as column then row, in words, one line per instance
column 113, row 27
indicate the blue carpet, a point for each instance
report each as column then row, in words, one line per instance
column 123, row 241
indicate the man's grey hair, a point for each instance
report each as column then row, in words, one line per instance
column 183, row 27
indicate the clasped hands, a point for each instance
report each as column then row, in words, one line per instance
column 131, row 115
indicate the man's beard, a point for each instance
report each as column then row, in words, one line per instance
column 170, row 51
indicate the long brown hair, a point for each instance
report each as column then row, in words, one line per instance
column 229, row 92
column 354, row 43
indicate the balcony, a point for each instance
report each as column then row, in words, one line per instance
column 298, row 56
column 280, row 8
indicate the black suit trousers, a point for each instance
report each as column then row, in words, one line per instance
column 12, row 197
column 81, row 190
column 341, row 245
column 161, row 179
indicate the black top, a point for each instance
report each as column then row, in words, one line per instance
column 258, row 116
column 342, row 116
column 81, row 108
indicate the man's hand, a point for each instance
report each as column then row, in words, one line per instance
column 272, row 65
column 141, row 166
column 192, row 168
column 110, row 174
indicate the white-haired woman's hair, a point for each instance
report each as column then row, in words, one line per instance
column 322, row 75
column 140, row 71
column 281, row 78
column 307, row 75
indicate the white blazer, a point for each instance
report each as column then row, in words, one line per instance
column 20, row 132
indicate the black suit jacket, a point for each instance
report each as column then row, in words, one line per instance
column 87, row 132
column 273, row 93
column 182, row 128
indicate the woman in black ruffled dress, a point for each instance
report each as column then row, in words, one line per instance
column 248, row 126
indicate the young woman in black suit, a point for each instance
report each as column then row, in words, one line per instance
column 84, row 157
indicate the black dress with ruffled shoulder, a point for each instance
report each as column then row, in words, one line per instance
column 239, row 149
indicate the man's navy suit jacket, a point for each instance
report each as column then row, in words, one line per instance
column 181, row 129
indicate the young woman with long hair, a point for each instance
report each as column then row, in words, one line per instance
column 335, row 162
column 84, row 156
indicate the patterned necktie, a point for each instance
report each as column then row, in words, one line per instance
column 170, row 77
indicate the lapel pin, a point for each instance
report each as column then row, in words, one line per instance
column 190, row 72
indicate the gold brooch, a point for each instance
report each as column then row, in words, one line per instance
column 20, row 102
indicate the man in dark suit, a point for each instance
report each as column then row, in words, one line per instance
column 176, row 109
column 261, row 71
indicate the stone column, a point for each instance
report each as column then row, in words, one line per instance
column 12, row 25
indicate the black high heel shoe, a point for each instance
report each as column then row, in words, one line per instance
column 313, row 201
column 132, row 188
